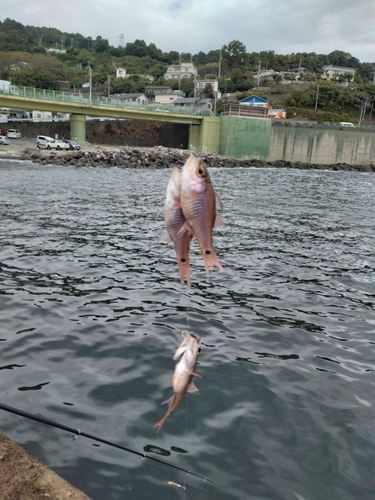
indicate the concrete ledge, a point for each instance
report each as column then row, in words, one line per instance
column 24, row 477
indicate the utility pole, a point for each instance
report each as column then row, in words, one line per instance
column 317, row 95
column 220, row 65
column 258, row 72
column 179, row 80
column 90, row 80
column 109, row 85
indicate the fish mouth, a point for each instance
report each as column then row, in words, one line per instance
column 192, row 334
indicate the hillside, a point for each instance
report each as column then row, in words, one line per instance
column 41, row 57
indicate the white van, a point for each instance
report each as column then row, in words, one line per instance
column 13, row 133
column 347, row 124
column 45, row 142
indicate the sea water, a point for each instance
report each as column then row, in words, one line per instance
column 92, row 311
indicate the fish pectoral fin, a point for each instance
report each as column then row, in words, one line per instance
column 192, row 387
column 165, row 238
column 195, row 374
column 219, row 221
column 180, row 351
column 218, row 202
column 185, row 228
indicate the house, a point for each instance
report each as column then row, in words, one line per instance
column 168, row 98
column 277, row 112
column 138, row 98
column 150, row 91
column 254, row 107
column 298, row 70
column 194, row 102
column 200, row 86
column 331, row 72
column 120, row 73
column 187, row 102
column 179, row 71
column 254, row 100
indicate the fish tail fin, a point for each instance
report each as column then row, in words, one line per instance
column 210, row 261
column 159, row 424
column 184, row 268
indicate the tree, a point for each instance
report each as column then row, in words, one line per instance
column 137, row 49
column 208, row 91
column 34, row 77
column 101, row 45
column 233, row 52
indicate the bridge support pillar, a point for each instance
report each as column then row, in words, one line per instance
column 194, row 137
column 205, row 138
column 78, row 127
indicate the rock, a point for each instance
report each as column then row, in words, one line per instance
column 160, row 157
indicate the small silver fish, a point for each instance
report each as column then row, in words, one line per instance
column 182, row 377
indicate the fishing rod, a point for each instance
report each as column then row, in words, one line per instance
column 77, row 432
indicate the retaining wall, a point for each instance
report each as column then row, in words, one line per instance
column 322, row 146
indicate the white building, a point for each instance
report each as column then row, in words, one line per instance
column 120, row 73
column 331, row 72
column 179, row 71
column 200, row 86
column 164, row 98
column 138, row 98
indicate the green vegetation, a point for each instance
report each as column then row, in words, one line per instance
column 24, row 60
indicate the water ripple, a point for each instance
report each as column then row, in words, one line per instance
column 92, row 312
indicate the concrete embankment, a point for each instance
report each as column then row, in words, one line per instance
column 156, row 157
column 24, row 477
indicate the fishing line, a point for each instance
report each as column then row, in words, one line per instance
column 78, row 432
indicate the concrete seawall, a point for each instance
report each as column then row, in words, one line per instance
column 24, row 477
column 322, row 146
column 251, row 140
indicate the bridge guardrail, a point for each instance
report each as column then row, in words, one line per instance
column 67, row 97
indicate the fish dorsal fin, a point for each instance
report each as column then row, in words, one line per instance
column 218, row 202
column 219, row 221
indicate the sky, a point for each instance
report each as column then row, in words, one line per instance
column 284, row 26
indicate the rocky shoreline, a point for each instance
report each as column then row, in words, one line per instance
column 160, row 157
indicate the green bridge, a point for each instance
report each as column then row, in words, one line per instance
column 227, row 135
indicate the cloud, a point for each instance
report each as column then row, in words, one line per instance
column 285, row 26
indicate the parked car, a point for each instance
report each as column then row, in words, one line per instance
column 13, row 133
column 347, row 124
column 45, row 142
column 4, row 141
column 3, row 133
column 60, row 144
column 86, row 85
column 72, row 144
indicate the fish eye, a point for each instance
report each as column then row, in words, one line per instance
column 201, row 172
